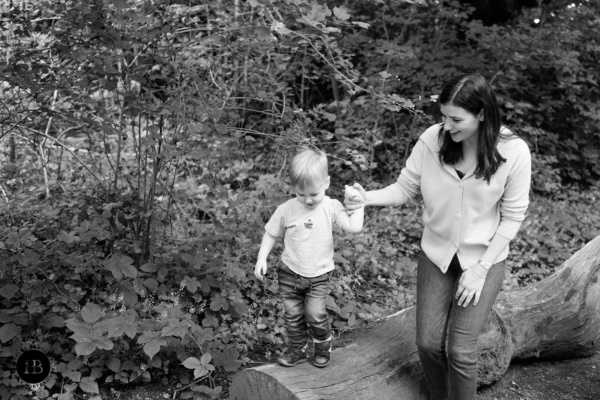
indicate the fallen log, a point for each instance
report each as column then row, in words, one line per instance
column 556, row 318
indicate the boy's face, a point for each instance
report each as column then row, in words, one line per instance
column 312, row 195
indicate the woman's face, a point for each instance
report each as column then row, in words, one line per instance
column 462, row 125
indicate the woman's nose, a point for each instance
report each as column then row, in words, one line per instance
column 447, row 126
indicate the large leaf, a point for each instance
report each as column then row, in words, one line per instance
column 91, row 313
column 228, row 359
column 89, row 385
column 9, row 290
column 201, row 367
column 121, row 266
column 9, row 331
column 85, row 348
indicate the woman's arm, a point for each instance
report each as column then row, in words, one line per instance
column 398, row 193
column 513, row 205
column 389, row 196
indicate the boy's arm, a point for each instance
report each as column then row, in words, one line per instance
column 355, row 222
column 268, row 241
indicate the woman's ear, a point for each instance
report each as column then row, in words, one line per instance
column 480, row 116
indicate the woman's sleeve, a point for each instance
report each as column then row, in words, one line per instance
column 515, row 199
column 408, row 184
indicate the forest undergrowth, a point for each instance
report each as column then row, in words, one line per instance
column 71, row 285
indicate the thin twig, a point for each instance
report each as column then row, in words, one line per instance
column 5, row 196
column 193, row 383
column 65, row 147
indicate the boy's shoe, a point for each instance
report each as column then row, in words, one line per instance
column 322, row 353
column 292, row 357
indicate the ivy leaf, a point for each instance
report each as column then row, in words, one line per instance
column 152, row 343
column 89, row 385
column 201, row 367
column 9, row 331
column 203, row 334
column 120, row 267
column 218, row 303
column 151, row 284
column 363, row 25
column 91, row 313
column 27, row 258
column 75, row 376
column 54, row 321
column 118, row 326
column 263, row 33
column 85, row 348
column 114, row 364
column 210, row 320
column 228, row 359
column 341, row 13
column 82, row 331
column 104, row 344
column 191, row 363
column 152, row 348
column 21, row 238
column 149, row 267
column 170, row 330
column 195, row 260
column 191, row 284
column 68, row 237
column 316, row 15
column 9, row 290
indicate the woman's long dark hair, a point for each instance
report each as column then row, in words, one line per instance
column 474, row 94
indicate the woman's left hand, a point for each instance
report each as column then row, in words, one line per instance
column 470, row 286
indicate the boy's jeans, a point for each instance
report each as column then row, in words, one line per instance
column 451, row 372
column 304, row 303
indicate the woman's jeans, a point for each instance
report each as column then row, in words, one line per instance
column 451, row 371
column 304, row 303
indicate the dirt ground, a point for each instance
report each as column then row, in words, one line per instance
column 576, row 379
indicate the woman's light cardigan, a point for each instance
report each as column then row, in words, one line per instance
column 461, row 216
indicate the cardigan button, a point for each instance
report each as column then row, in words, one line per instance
column 457, row 217
column 460, row 184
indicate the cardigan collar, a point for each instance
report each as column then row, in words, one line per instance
column 432, row 140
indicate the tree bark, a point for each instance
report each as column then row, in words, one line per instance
column 556, row 318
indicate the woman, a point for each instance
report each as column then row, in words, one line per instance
column 474, row 176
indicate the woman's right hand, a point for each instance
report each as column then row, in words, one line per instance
column 354, row 202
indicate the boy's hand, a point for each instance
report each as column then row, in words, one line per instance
column 260, row 269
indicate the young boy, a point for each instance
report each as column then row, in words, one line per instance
column 306, row 224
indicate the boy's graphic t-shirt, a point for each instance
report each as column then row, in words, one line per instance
column 307, row 234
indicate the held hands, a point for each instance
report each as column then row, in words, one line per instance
column 470, row 285
column 260, row 269
column 354, row 198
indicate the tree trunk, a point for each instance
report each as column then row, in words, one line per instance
column 556, row 318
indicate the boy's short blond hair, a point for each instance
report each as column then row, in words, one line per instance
column 308, row 167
